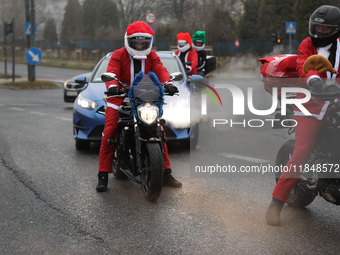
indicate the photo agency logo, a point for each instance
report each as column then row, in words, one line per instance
column 238, row 105
column 204, row 97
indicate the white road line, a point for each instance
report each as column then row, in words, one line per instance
column 16, row 108
column 24, row 105
column 61, row 118
column 245, row 158
column 38, row 113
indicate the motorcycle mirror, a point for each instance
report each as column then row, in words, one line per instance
column 108, row 77
column 177, row 76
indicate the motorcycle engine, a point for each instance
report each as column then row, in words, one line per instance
column 330, row 190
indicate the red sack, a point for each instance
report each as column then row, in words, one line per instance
column 279, row 71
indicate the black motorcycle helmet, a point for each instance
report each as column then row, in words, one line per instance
column 324, row 25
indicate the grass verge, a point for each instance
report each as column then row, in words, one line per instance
column 29, row 85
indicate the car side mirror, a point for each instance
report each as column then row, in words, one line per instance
column 196, row 78
column 80, row 79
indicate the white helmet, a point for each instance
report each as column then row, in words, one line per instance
column 138, row 40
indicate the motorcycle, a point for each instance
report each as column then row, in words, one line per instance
column 321, row 174
column 139, row 138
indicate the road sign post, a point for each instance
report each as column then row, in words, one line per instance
column 32, row 78
column 290, row 29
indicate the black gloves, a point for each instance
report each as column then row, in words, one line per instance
column 316, row 85
column 114, row 90
column 171, row 89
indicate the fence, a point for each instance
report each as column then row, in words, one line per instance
column 85, row 50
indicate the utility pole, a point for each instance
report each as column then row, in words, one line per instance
column 13, row 51
column 32, row 79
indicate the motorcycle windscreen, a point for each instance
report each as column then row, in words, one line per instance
column 146, row 90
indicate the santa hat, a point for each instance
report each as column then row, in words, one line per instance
column 139, row 28
column 184, row 36
column 199, row 35
column 135, row 29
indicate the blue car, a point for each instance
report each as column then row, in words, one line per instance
column 89, row 107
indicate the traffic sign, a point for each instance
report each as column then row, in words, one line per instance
column 33, row 56
column 290, row 27
column 150, row 17
column 237, row 43
column 28, row 28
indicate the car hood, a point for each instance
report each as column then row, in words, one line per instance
column 177, row 111
column 95, row 92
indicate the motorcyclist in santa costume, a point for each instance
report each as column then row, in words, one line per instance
column 198, row 44
column 324, row 30
column 186, row 53
column 126, row 63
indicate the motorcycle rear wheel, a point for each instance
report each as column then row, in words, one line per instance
column 152, row 172
column 298, row 197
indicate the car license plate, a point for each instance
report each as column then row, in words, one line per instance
column 71, row 93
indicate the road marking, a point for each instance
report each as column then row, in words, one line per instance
column 245, row 158
column 25, row 105
column 16, row 108
column 61, row 118
column 38, row 113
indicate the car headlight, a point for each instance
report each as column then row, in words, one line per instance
column 148, row 113
column 86, row 103
column 65, row 84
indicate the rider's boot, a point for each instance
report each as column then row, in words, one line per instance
column 169, row 180
column 102, row 181
column 273, row 212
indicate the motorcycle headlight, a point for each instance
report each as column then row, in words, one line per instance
column 86, row 103
column 148, row 113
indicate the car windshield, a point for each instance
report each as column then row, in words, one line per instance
column 171, row 64
column 101, row 69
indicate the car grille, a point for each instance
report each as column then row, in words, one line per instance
column 74, row 86
column 102, row 110
column 96, row 133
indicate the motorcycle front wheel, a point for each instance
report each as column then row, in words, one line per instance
column 152, row 172
column 115, row 164
column 298, row 197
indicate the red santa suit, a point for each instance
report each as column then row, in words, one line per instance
column 308, row 127
column 121, row 64
column 186, row 53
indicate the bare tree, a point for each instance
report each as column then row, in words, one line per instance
column 133, row 10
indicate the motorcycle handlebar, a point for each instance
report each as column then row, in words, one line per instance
column 121, row 92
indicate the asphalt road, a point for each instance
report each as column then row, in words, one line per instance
column 49, row 204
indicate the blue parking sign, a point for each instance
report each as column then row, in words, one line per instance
column 33, row 56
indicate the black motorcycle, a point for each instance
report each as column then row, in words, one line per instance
column 321, row 174
column 139, row 138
